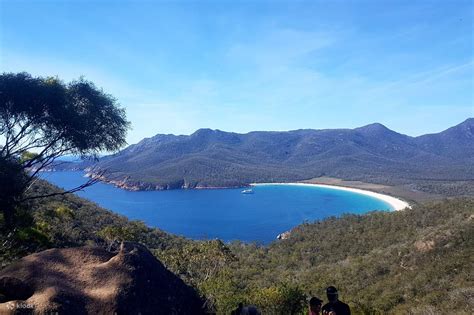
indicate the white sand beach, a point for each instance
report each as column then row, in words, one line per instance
column 395, row 203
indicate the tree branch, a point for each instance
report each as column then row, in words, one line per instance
column 22, row 133
column 91, row 181
column 41, row 155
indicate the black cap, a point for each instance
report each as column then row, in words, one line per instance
column 331, row 290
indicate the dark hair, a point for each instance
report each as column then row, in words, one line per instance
column 315, row 301
column 331, row 290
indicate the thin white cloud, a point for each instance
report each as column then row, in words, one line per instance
column 278, row 48
column 271, row 82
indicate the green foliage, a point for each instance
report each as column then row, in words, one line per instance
column 27, row 156
column 13, row 181
column 206, row 266
column 204, row 258
column 114, row 234
column 25, row 238
column 383, row 262
column 64, row 212
column 281, row 299
column 221, row 291
column 415, row 261
column 76, row 116
column 54, row 118
column 32, row 235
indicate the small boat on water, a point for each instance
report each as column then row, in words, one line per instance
column 247, row 191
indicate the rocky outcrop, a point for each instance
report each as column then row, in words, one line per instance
column 90, row 280
column 284, row 235
column 127, row 183
column 120, row 183
column 424, row 246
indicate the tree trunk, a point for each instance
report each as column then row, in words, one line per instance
column 8, row 211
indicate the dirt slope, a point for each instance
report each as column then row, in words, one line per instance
column 92, row 280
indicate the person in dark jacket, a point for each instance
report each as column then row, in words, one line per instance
column 334, row 306
column 238, row 310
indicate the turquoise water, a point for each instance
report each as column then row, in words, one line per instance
column 226, row 214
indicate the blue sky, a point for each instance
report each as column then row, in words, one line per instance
column 177, row 66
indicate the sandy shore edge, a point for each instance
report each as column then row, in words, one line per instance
column 395, row 203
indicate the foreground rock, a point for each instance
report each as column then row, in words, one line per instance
column 94, row 281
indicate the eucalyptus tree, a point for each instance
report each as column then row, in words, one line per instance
column 43, row 118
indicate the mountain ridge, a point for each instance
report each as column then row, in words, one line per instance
column 215, row 158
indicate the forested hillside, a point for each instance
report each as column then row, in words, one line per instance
column 414, row 261
column 214, row 158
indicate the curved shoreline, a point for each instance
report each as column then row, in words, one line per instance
column 396, row 203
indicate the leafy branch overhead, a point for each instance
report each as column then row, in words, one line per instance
column 42, row 119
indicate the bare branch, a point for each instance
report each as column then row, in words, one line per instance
column 33, row 178
column 91, row 181
column 42, row 164
column 22, row 133
column 41, row 155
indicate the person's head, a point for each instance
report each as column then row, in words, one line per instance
column 332, row 294
column 315, row 305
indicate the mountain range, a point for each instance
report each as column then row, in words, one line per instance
column 214, row 158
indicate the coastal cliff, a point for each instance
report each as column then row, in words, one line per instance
column 127, row 183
